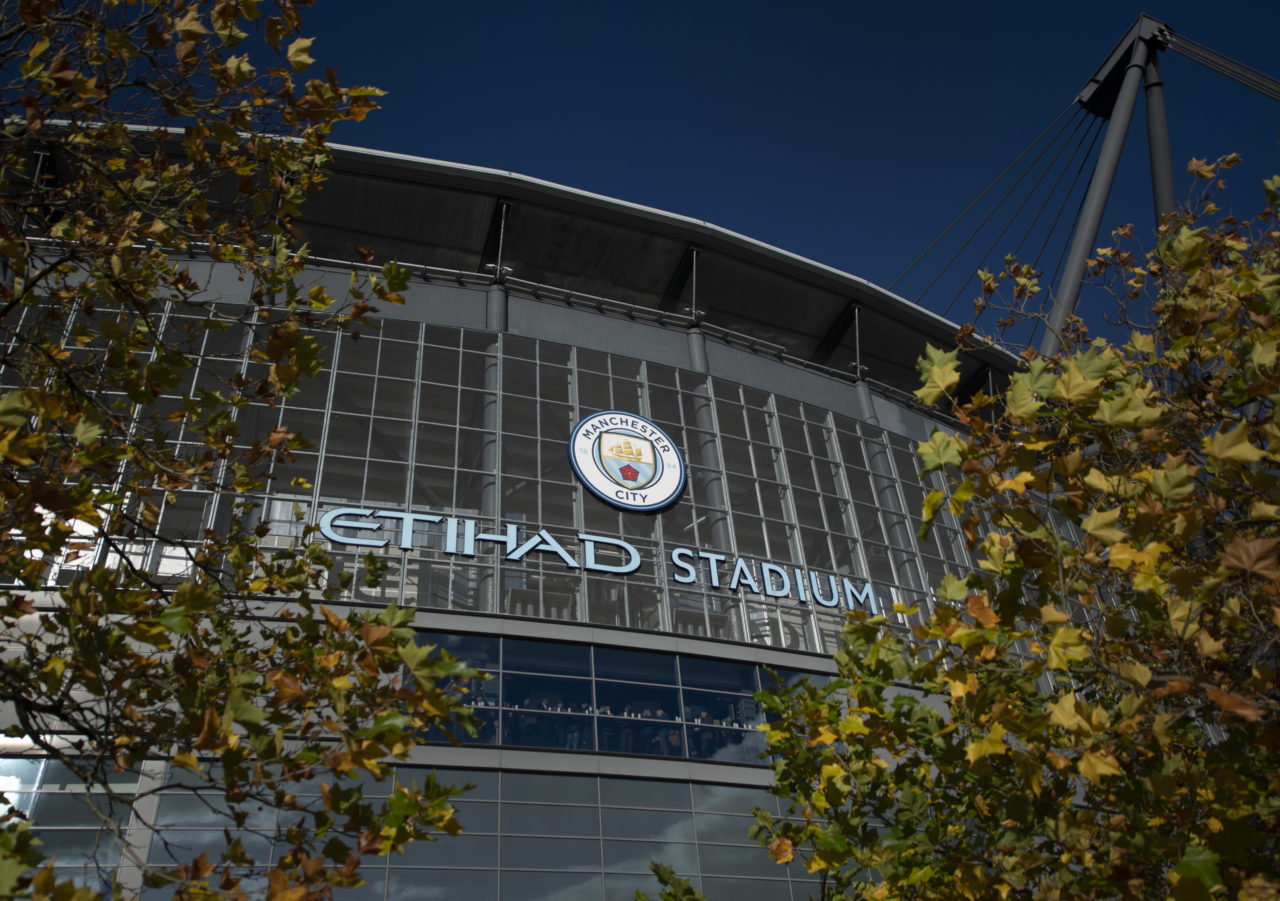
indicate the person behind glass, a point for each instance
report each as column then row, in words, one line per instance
column 703, row 737
column 627, row 744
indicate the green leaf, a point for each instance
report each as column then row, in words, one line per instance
column 939, row 451
column 1199, row 862
column 939, row 374
column 1073, row 387
column 87, row 431
column 15, row 409
column 1021, row 401
column 1188, row 250
column 1129, row 408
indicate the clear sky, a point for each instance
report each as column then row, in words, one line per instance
column 849, row 133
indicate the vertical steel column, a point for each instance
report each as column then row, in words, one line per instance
column 495, row 320
column 1095, row 201
column 1158, row 143
column 898, row 534
column 711, row 487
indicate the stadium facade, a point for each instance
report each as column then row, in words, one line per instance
column 625, row 461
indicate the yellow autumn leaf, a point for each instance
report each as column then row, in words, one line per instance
column 824, row 736
column 1101, row 525
column 833, row 773
column 962, row 685
column 1066, row 647
column 853, row 725
column 1017, row 484
column 1096, row 764
column 1137, row 673
column 992, row 744
column 1233, row 445
column 1051, row 615
column 299, row 54
column 1073, row 387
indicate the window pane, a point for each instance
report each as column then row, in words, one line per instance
column 521, row 852
column 546, row 657
column 635, row 666
column 550, row 819
column 545, row 787
column 699, row 672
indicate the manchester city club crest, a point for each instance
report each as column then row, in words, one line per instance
column 627, row 461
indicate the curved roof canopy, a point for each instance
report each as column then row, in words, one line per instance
column 471, row 220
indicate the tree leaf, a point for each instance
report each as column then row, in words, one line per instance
column 299, row 54
column 939, row 374
column 1101, row 525
column 1241, row 707
column 1233, row 445
column 1094, row 765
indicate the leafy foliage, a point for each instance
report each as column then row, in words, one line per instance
column 143, row 145
column 1094, row 711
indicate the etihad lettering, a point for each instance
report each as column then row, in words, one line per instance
column 463, row 538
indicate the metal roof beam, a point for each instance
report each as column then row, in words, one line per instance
column 835, row 334
column 679, row 280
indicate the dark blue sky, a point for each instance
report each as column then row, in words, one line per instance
column 849, row 133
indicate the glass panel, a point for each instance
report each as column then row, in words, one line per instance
column 550, row 693
column 78, row 810
column 485, row 783
column 731, row 799
column 82, row 846
column 700, row 672
column 634, row 857
column 629, row 700
column 636, row 793
column 719, row 709
column 548, row 730
column 477, row 650
column 477, row 816
column 548, row 788
column 452, row 850
column 546, row 657
column 747, row 889
column 522, row 852
column 436, row 885
column 185, row 845
column 206, row 810
column 724, row 828
column 663, row 825
column 636, row 666
column 738, row 861
column 550, row 819
column 550, row 886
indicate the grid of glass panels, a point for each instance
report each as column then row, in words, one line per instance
column 466, row 423
column 578, row 697
column 450, row 422
column 81, row 830
column 535, row 836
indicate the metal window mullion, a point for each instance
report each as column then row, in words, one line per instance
column 411, row 455
column 322, row 450
column 666, row 615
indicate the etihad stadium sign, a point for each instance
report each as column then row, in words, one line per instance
column 464, row 537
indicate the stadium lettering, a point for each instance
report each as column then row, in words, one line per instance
column 461, row 536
